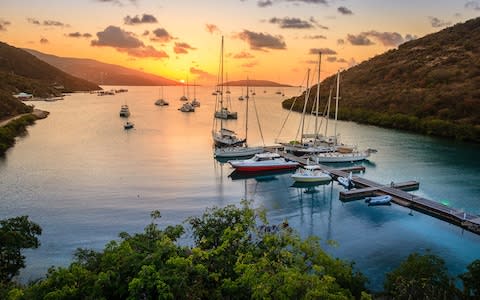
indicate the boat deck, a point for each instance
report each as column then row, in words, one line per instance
column 398, row 191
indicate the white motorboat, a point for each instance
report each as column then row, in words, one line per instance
column 263, row 162
column 311, row 173
column 187, row 107
column 124, row 111
column 128, row 125
column 334, row 157
column 232, row 152
column 378, row 200
column 225, row 114
column 346, row 182
column 226, row 137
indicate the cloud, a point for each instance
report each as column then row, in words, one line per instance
column 342, row 60
column 47, row 23
column 331, row 59
column 344, row 11
column 117, row 2
column 79, row 35
column 212, row 28
column 126, row 42
column 315, row 37
column 202, row 75
column 312, row 19
column 260, row 41
column 340, row 41
column 436, row 22
column 43, row 41
column 146, row 33
column 387, row 39
column 324, row 51
column 291, row 23
column 250, row 64
column 145, row 19
column 243, row 55
column 114, row 36
column 182, row 48
column 162, row 35
column 472, row 5
column 359, row 40
column 144, row 52
column 265, row 3
column 4, row 24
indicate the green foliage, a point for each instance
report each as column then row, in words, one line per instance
column 236, row 254
column 429, row 86
column 16, row 234
column 9, row 106
column 13, row 129
column 471, row 280
column 420, row 277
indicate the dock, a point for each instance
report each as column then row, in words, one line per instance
column 398, row 191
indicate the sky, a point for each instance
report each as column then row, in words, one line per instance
column 276, row 40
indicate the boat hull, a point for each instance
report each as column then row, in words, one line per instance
column 340, row 157
column 311, row 179
column 265, row 168
column 232, row 152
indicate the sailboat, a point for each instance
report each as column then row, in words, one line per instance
column 239, row 151
column 341, row 153
column 195, row 102
column 184, row 98
column 241, row 95
column 311, row 143
column 161, row 101
column 223, row 136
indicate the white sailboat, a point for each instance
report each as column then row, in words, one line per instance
column 161, row 101
column 195, row 102
column 342, row 153
column 222, row 136
column 239, row 151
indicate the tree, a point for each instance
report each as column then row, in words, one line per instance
column 420, row 277
column 471, row 280
column 16, row 234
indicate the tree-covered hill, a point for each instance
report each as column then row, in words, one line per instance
column 23, row 72
column 429, row 85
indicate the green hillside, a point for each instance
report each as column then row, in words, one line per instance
column 23, row 72
column 430, row 85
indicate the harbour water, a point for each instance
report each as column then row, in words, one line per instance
column 85, row 179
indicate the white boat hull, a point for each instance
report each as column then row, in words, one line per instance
column 311, row 178
column 340, row 157
column 231, row 152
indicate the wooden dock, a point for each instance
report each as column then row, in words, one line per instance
column 398, row 191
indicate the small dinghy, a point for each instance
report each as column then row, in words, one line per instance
column 379, row 200
column 347, row 182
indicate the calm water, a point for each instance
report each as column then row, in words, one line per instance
column 84, row 179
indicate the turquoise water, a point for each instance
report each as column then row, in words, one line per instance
column 84, row 179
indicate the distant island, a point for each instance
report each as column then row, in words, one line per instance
column 262, row 83
column 429, row 85
column 102, row 73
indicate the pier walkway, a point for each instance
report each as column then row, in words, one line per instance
column 398, row 191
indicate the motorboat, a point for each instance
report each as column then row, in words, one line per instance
column 195, row 103
column 226, row 138
column 124, row 111
column 187, row 107
column 128, row 125
column 238, row 151
column 263, row 162
column 311, row 173
column 346, row 182
column 378, row 200
column 161, row 102
column 334, row 157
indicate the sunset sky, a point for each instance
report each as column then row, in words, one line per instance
column 264, row 39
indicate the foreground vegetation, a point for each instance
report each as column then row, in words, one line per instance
column 236, row 254
column 13, row 129
column 428, row 85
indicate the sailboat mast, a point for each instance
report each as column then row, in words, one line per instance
column 221, row 84
column 318, row 95
column 328, row 110
column 246, row 117
column 336, row 104
column 307, row 93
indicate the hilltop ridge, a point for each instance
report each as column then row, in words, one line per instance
column 428, row 85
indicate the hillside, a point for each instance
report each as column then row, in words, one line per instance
column 102, row 73
column 23, row 72
column 429, row 85
column 263, row 83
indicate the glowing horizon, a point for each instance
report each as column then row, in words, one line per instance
column 264, row 39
